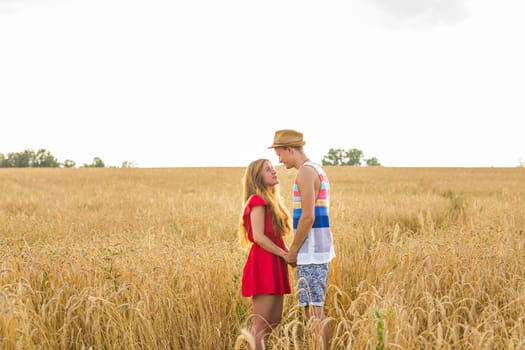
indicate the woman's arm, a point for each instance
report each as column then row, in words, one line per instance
column 257, row 218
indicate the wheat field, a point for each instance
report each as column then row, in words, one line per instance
column 427, row 258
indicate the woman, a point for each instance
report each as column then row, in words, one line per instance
column 264, row 222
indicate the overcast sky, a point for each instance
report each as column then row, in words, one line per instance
column 207, row 83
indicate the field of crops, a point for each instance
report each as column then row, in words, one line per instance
column 427, row 258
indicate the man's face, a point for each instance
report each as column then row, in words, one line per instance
column 285, row 156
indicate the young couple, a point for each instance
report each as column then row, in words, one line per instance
column 265, row 220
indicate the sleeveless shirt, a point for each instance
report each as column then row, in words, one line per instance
column 318, row 246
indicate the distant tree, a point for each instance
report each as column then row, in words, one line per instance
column 354, row 157
column 29, row 158
column 97, row 163
column 44, row 159
column 68, row 163
column 21, row 159
column 372, row 162
column 335, row 157
column 129, row 164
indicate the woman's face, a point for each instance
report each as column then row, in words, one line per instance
column 269, row 175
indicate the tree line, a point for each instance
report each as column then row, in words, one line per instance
column 41, row 158
column 351, row 157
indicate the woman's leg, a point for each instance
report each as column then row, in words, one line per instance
column 268, row 311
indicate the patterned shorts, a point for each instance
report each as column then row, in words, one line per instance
column 312, row 284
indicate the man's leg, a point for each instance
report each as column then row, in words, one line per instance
column 312, row 289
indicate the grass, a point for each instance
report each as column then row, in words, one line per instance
column 149, row 259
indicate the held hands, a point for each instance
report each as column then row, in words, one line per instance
column 291, row 258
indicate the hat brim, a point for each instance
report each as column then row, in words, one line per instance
column 276, row 145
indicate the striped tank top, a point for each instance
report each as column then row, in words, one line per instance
column 318, row 246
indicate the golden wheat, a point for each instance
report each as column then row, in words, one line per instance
column 149, row 259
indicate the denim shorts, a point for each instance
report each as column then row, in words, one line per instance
column 312, row 284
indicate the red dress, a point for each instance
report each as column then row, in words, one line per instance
column 264, row 272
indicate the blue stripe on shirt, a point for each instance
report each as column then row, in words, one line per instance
column 320, row 221
column 318, row 211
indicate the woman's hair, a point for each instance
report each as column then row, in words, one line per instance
column 253, row 184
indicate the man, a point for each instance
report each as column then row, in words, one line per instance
column 312, row 247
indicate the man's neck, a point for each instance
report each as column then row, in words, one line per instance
column 300, row 162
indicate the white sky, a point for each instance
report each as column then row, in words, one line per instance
column 207, row 83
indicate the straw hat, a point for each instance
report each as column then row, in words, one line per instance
column 287, row 138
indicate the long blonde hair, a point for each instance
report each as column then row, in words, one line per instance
column 253, row 184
